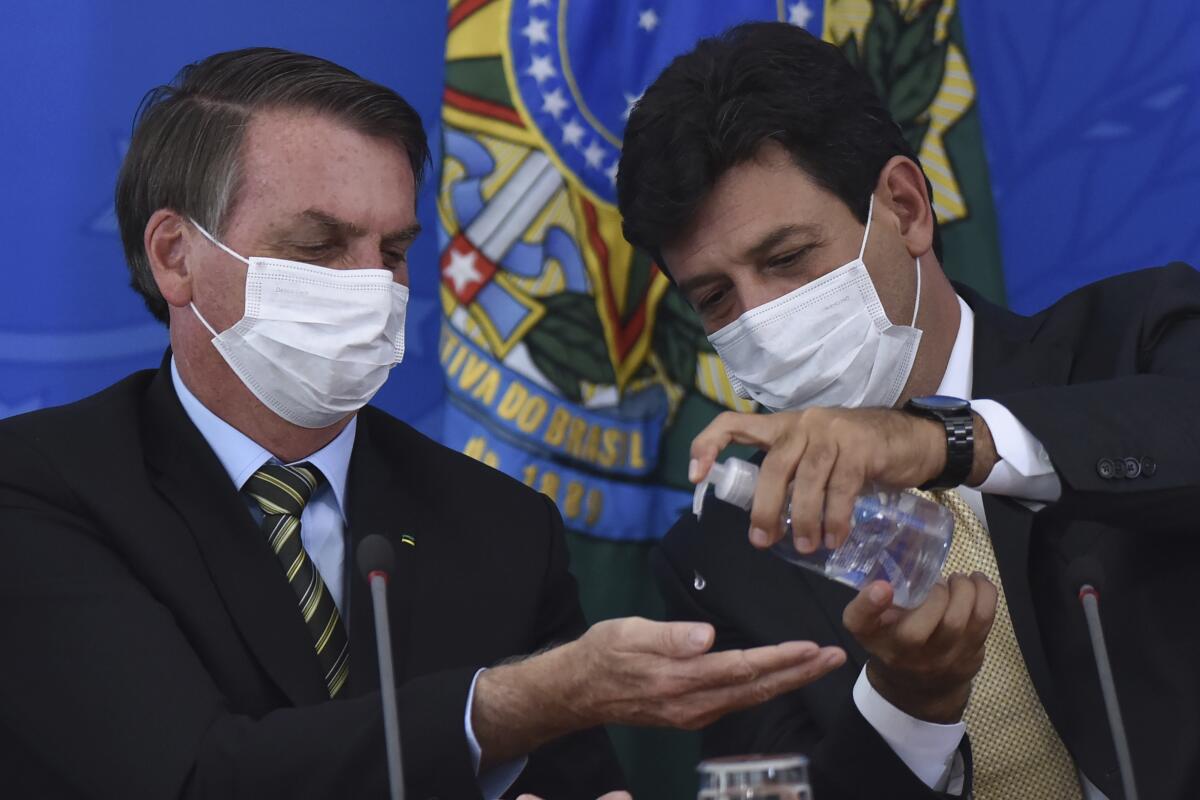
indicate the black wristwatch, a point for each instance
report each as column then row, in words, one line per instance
column 955, row 414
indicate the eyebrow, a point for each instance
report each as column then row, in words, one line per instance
column 756, row 252
column 327, row 220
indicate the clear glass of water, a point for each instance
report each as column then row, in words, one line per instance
column 756, row 777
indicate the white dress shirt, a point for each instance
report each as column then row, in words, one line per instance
column 322, row 529
column 1024, row 472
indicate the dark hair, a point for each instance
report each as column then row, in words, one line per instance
column 187, row 137
column 713, row 108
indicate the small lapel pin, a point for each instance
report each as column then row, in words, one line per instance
column 408, row 540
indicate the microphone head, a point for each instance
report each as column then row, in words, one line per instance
column 1086, row 570
column 375, row 554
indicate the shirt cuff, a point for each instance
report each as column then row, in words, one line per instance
column 1024, row 469
column 926, row 748
column 499, row 778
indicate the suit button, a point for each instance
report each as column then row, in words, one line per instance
column 1106, row 468
column 1149, row 467
column 1133, row 467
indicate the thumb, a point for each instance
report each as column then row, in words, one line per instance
column 682, row 639
column 670, row 639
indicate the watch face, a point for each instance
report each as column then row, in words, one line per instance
column 940, row 402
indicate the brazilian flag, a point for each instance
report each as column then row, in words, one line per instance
column 570, row 361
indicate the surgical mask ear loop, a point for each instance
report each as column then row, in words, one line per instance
column 212, row 239
column 862, row 251
column 917, row 305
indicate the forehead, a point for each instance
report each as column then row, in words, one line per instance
column 746, row 203
column 292, row 160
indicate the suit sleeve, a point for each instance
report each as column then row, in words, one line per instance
column 581, row 766
column 102, row 686
column 848, row 759
column 1151, row 417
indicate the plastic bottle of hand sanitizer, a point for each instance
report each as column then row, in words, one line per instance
column 895, row 536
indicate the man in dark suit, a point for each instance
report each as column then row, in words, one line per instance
column 767, row 177
column 177, row 550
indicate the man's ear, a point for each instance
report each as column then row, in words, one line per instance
column 167, row 246
column 902, row 187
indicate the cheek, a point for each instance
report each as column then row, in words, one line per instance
column 222, row 298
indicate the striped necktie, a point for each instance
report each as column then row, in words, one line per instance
column 1017, row 752
column 282, row 492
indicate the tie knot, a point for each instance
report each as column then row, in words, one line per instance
column 280, row 489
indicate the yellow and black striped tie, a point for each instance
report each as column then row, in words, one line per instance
column 282, row 492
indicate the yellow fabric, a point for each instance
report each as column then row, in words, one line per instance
column 1016, row 751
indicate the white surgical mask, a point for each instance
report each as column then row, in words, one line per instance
column 314, row 344
column 828, row 343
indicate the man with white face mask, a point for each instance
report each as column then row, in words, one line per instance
column 769, row 181
column 177, row 551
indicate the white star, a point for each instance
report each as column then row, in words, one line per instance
column 611, row 172
column 554, row 103
column 630, row 99
column 799, row 13
column 541, row 68
column 536, row 3
column 461, row 270
column 648, row 20
column 572, row 133
column 537, row 31
column 594, row 155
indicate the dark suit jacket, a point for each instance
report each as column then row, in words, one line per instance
column 154, row 649
column 1109, row 373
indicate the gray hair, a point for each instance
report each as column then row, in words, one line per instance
column 187, row 137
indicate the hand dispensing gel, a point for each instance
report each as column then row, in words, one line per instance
column 895, row 536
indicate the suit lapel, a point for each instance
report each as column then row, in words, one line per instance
column 1006, row 361
column 248, row 577
column 380, row 502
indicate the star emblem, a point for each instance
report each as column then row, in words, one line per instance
column 536, row 3
column 554, row 103
column 648, row 20
column 799, row 13
column 537, row 31
column 572, row 133
column 461, row 271
column 541, row 68
column 594, row 155
column 611, row 172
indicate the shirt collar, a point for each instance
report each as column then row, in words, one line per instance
column 241, row 456
column 957, row 380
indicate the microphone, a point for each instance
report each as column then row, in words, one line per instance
column 1087, row 574
column 376, row 560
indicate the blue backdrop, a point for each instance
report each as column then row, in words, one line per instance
column 1089, row 108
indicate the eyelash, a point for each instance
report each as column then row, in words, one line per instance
column 787, row 259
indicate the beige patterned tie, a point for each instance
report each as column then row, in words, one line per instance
column 1016, row 751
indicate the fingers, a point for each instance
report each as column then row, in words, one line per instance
column 916, row 627
column 726, row 428
column 615, row 796
column 732, row 667
column 808, row 494
column 863, row 616
column 706, row 706
column 770, row 492
column 845, row 484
